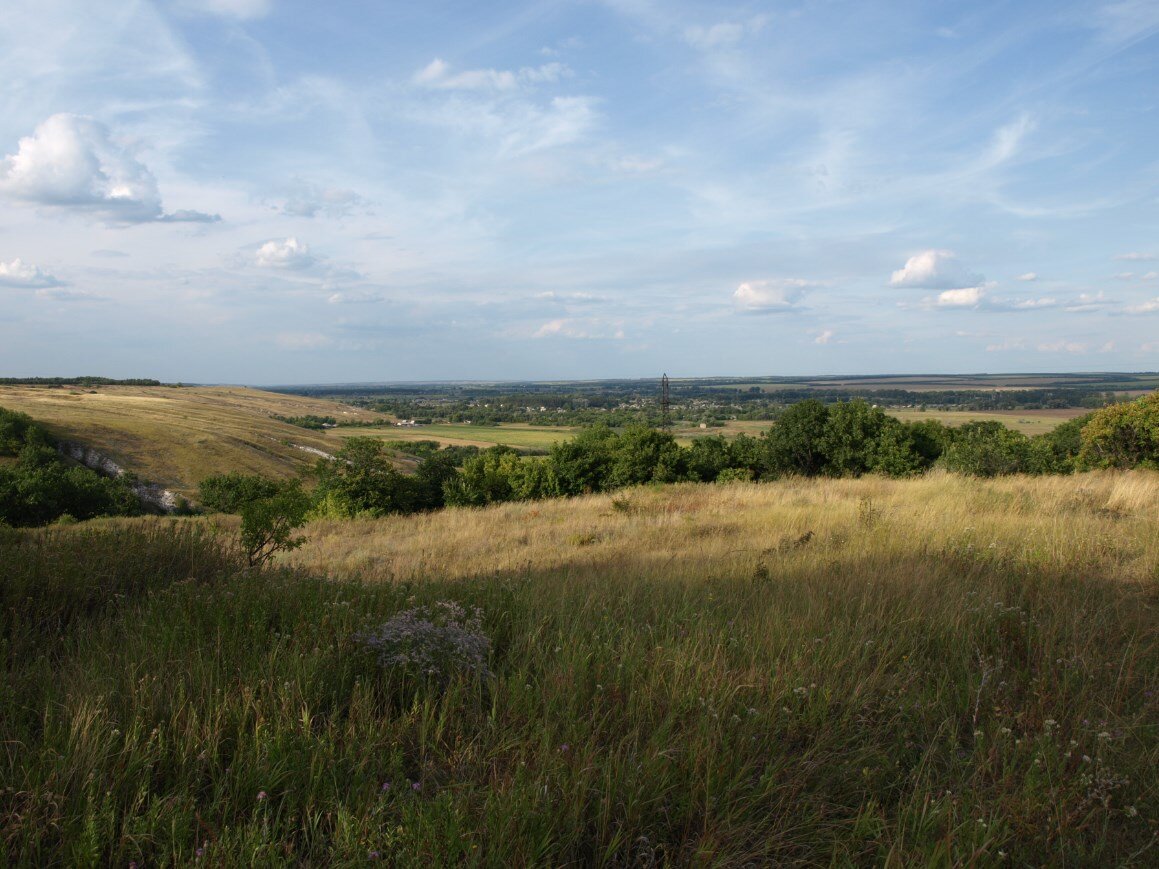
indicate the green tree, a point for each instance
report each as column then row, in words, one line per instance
column 228, row 493
column 268, row 524
column 796, row 442
column 584, row 463
column 1122, row 435
column 362, row 475
column 643, row 455
column 987, row 449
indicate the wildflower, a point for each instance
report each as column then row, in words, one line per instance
column 565, row 748
column 416, row 786
column 385, row 786
column 1086, row 758
column 1005, row 731
column 373, row 855
column 1104, row 736
column 262, row 796
column 1132, row 812
column 199, row 853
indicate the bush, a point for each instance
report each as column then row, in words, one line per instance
column 987, row 449
column 431, row 644
column 268, row 524
column 228, row 493
column 1122, row 435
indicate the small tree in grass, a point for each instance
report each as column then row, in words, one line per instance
column 268, row 524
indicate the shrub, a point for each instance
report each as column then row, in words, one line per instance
column 431, row 643
column 268, row 524
column 1122, row 435
column 228, row 493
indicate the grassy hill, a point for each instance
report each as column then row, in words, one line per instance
column 177, row 436
column 942, row 671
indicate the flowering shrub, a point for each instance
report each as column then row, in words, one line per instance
column 432, row 642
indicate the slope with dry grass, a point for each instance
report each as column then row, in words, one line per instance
column 175, row 437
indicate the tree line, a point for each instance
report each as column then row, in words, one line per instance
column 39, row 486
column 809, row 439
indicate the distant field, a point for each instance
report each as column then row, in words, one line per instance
column 177, row 436
column 520, row 436
column 1030, row 422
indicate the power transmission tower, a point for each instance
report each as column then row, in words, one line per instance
column 665, row 404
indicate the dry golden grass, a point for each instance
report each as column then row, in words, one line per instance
column 1106, row 519
column 178, row 436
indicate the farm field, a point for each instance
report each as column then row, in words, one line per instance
column 462, row 434
column 941, row 671
column 177, row 436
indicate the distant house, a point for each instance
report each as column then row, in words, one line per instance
column 407, row 423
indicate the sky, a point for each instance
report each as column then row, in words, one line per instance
column 287, row 191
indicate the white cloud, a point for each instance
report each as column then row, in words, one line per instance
column 243, row 10
column 1088, row 302
column 73, row 162
column 438, row 75
column 1151, row 306
column 1136, row 257
column 1062, row 346
column 287, row 253
column 302, row 340
column 309, row 200
column 934, row 270
column 965, row 297
column 581, row 329
column 60, row 295
column 1029, row 276
column 825, row 337
column 781, row 294
column 359, row 297
column 1150, row 276
column 1031, row 304
column 724, row 34
column 1125, row 276
column 18, row 273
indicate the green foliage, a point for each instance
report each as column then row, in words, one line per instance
column 268, row 524
column 876, row 708
column 42, row 486
column 584, row 463
column 708, row 457
column 644, row 455
column 796, row 442
column 1122, row 435
column 310, row 421
column 228, row 493
column 363, row 476
column 987, row 449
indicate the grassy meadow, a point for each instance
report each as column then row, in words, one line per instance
column 941, row 671
column 176, row 437
column 464, row 435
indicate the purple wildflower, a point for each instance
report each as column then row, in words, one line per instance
column 262, row 796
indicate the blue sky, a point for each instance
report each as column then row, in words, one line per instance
column 278, row 191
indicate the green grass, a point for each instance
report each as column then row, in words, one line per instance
column 513, row 435
column 846, row 704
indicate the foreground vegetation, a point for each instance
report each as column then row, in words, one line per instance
column 944, row 670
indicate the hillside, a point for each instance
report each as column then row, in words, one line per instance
column 940, row 671
column 174, row 436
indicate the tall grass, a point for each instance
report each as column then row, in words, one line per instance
column 939, row 671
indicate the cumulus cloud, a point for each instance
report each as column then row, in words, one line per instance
column 438, row 75
column 589, row 328
column 1032, row 304
column 1029, row 276
column 825, row 337
column 72, row 162
column 934, row 270
column 781, row 294
column 965, row 297
column 288, row 253
column 18, row 273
